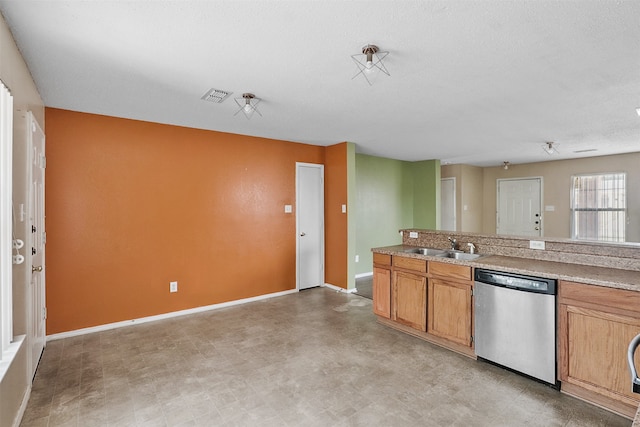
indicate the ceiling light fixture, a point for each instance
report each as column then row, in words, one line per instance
column 248, row 105
column 505, row 165
column 550, row 148
column 369, row 62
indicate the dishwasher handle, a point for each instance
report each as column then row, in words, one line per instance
column 635, row 381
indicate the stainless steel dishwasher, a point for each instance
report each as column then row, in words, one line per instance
column 515, row 322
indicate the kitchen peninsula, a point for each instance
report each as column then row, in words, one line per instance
column 598, row 303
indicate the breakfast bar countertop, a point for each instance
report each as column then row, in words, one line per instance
column 599, row 276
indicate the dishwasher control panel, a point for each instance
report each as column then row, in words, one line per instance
column 516, row 281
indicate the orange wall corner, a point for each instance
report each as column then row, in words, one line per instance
column 336, row 224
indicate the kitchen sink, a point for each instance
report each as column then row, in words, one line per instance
column 459, row 255
column 427, row 251
column 444, row 253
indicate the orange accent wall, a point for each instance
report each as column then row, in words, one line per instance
column 336, row 225
column 134, row 205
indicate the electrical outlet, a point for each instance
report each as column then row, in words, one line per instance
column 173, row 286
column 536, row 244
column 357, row 258
column 413, row 234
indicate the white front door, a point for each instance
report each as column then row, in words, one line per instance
column 448, row 204
column 310, row 225
column 37, row 315
column 519, row 207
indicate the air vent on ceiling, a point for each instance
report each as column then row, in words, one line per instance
column 216, row 95
column 586, row 151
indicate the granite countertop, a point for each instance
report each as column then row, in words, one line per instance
column 599, row 276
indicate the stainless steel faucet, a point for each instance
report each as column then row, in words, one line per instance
column 454, row 242
column 472, row 247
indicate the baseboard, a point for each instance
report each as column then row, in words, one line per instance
column 339, row 289
column 361, row 275
column 23, row 407
column 124, row 323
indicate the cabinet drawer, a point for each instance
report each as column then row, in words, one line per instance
column 410, row 263
column 616, row 299
column 382, row 259
column 450, row 270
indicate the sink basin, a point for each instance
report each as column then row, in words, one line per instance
column 427, row 251
column 460, row 255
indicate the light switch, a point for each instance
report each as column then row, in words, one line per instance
column 550, row 208
column 287, row 209
column 344, row 208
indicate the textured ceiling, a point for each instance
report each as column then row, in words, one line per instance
column 476, row 82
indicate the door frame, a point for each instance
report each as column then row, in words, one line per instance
column 32, row 126
column 540, row 179
column 322, row 241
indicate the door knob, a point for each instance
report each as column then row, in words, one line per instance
column 303, row 234
column 34, row 268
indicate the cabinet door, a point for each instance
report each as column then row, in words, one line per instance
column 450, row 310
column 593, row 351
column 410, row 300
column 382, row 292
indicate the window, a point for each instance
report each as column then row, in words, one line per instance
column 599, row 207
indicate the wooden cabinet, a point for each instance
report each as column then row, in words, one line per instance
column 596, row 325
column 430, row 300
column 382, row 285
column 410, row 299
column 450, row 311
column 382, row 292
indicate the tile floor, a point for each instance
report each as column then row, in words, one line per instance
column 314, row 358
column 364, row 287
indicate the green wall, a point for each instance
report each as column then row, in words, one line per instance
column 426, row 194
column 391, row 195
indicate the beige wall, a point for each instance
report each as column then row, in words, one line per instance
column 556, row 176
column 469, row 203
column 16, row 76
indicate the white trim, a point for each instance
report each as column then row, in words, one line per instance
column 361, row 275
column 23, row 406
column 339, row 289
column 170, row 315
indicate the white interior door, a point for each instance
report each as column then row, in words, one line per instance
column 37, row 315
column 310, row 225
column 448, row 204
column 519, row 207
